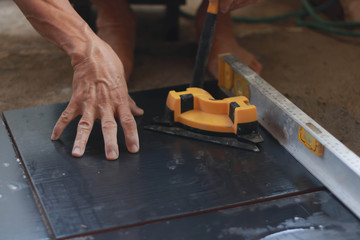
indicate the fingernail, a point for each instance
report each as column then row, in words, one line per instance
column 52, row 136
column 134, row 148
column 77, row 151
column 112, row 155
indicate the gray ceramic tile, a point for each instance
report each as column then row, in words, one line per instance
column 19, row 215
column 315, row 215
column 170, row 176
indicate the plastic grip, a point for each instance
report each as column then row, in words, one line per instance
column 213, row 7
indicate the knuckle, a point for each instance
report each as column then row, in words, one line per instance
column 109, row 124
column 104, row 106
column 66, row 116
column 123, row 99
column 104, row 100
column 127, row 120
column 85, row 124
column 89, row 101
column 76, row 98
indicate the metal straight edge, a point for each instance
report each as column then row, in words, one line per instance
column 338, row 168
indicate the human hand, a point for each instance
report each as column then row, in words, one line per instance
column 100, row 91
column 229, row 5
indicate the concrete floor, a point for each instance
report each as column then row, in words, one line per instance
column 319, row 72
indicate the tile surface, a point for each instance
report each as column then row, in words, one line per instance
column 315, row 215
column 170, row 176
column 19, row 216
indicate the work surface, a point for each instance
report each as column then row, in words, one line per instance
column 174, row 188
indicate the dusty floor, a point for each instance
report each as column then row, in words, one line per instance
column 318, row 72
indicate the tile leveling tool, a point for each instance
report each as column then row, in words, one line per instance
column 196, row 114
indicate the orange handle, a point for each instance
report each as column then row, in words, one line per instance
column 213, row 7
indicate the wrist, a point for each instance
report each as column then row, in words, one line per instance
column 79, row 49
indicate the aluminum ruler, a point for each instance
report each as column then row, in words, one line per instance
column 330, row 161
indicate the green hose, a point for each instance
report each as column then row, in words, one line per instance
column 307, row 10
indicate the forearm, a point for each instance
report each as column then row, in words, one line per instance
column 59, row 23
